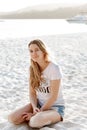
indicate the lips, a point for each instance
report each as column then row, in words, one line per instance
column 35, row 57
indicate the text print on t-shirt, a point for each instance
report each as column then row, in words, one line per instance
column 44, row 86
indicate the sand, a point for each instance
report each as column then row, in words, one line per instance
column 70, row 53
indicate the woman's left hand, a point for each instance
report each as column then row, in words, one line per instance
column 27, row 116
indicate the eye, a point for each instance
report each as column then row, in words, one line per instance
column 31, row 51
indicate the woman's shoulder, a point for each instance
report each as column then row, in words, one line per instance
column 55, row 71
column 55, row 65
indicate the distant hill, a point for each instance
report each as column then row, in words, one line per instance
column 53, row 11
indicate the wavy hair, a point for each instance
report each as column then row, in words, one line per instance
column 35, row 72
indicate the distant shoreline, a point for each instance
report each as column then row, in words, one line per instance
column 45, row 12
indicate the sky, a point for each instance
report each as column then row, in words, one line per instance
column 12, row 5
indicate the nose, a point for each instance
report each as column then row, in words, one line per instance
column 34, row 54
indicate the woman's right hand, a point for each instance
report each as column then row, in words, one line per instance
column 36, row 110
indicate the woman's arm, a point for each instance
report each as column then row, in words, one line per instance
column 33, row 100
column 33, row 97
column 54, row 93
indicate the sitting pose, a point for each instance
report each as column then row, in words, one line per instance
column 45, row 90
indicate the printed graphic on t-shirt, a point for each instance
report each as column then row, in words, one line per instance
column 44, row 86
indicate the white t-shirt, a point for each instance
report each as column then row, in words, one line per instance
column 52, row 72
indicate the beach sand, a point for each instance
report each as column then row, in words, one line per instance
column 70, row 53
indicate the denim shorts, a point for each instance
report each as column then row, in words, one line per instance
column 59, row 109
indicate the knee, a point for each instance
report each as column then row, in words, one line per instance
column 12, row 120
column 35, row 121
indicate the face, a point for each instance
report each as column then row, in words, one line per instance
column 36, row 54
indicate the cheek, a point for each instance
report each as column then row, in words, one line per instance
column 31, row 54
column 40, row 54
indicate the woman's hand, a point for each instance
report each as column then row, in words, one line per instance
column 27, row 116
column 36, row 110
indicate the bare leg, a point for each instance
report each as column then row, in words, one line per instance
column 44, row 118
column 17, row 116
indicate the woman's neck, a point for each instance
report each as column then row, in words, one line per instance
column 43, row 64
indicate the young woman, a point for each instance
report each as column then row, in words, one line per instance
column 46, row 101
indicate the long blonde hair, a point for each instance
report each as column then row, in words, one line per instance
column 35, row 72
